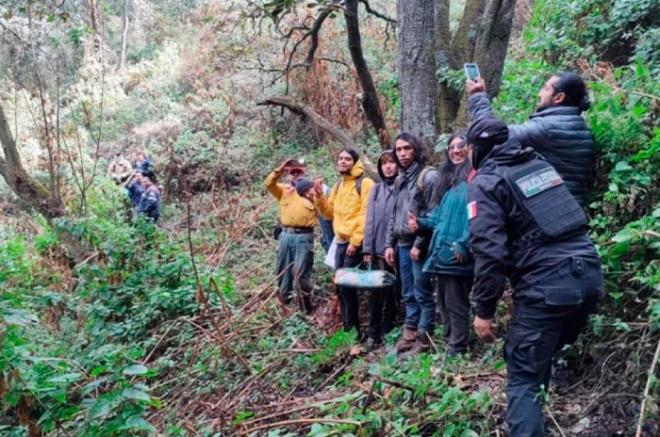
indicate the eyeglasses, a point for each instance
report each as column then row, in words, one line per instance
column 461, row 145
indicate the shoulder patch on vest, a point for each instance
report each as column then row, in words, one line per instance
column 539, row 181
column 472, row 209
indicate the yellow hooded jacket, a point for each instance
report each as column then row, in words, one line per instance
column 295, row 211
column 346, row 208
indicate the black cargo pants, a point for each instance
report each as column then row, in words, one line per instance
column 546, row 317
column 348, row 296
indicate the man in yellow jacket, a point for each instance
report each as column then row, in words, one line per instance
column 295, row 244
column 347, row 207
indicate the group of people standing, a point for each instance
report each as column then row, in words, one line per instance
column 140, row 183
column 506, row 206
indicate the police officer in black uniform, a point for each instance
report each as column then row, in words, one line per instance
column 527, row 227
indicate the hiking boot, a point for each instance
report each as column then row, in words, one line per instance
column 372, row 344
column 422, row 344
column 406, row 341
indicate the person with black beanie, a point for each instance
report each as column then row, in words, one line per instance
column 527, row 227
column 556, row 130
column 382, row 303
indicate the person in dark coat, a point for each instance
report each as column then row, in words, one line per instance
column 556, row 130
column 382, row 303
column 449, row 266
column 150, row 200
column 414, row 188
column 526, row 226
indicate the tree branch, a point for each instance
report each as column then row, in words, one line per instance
column 375, row 13
column 370, row 98
column 321, row 123
column 314, row 32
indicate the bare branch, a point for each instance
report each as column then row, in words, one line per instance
column 314, row 32
column 321, row 123
column 375, row 13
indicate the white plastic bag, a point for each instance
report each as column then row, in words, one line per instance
column 330, row 256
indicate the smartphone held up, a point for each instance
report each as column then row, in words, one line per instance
column 471, row 71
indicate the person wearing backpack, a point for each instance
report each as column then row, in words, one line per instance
column 382, row 303
column 415, row 188
column 347, row 207
column 449, row 264
column 295, row 241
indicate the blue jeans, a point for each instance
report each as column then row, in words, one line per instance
column 408, row 288
column 425, row 296
column 417, row 296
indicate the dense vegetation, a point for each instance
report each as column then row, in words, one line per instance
column 175, row 329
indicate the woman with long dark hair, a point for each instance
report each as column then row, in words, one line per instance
column 449, row 264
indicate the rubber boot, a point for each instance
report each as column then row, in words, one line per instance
column 422, row 344
column 406, row 341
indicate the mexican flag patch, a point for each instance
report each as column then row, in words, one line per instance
column 472, row 209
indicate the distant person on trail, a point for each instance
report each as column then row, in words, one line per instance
column 415, row 187
column 135, row 189
column 382, row 303
column 120, row 169
column 347, row 207
column 526, row 226
column 295, row 243
column 150, row 200
column 143, row 163
column 449, row 263
column 556, row 130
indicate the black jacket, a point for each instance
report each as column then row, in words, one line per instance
column 497, row 222
column 560, row 134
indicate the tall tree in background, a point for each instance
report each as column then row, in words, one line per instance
column 370, row 100
column 418, row 88
column 124, row 36
column 482, row 37
column 30, row 190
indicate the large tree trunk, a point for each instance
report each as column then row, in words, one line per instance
column 124, row 37
column 493, row 41
column 370, row 100
column 32, row 192
column 27, row 188
column 482, row 37
column 418, row 89
column 93, row 50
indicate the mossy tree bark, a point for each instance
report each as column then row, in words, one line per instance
column 482, row 37
column 31, row 191
column 418, row 90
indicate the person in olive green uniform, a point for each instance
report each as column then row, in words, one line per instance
column 295, row 245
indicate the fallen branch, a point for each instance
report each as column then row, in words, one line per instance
column 302, row 422
column 649, row 380
column 323, row 124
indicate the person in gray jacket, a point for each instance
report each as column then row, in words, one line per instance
column 556, row 130
column 414, row 189
column 382, row 303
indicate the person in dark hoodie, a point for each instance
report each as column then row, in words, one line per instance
column 382, row 303
column 526, row 226
column 556, row 130
column 150, row 201
column 414, row 189
column 449, row 265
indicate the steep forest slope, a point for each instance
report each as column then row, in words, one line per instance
column 114, row 328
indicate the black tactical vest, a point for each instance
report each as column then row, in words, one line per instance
column 542, row 195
